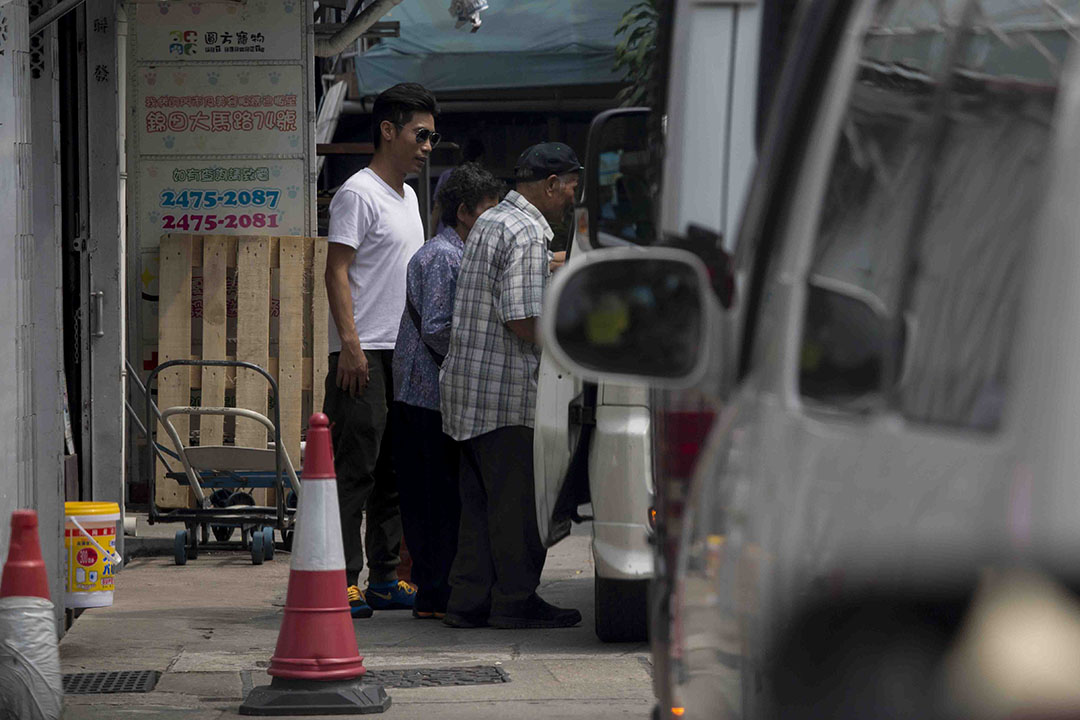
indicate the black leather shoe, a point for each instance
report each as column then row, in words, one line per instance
column 536, row 613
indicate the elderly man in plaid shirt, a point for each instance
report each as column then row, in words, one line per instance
column 488, row 398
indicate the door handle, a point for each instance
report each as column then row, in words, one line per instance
column 97, row 297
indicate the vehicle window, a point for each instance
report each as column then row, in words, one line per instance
column 870, row 204
column 983, row 193
column 929, row 211
column 626, row 195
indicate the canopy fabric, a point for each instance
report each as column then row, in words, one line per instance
column 522, row 43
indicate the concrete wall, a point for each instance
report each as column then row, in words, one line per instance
column 29, row 314
column 48, row 305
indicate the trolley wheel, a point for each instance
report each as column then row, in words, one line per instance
column 180, row 547
column 268, row 542
column 257, row 556
column 222, row 532
column 192, row 534
column 241, row 498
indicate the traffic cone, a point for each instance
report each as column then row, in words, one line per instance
column 31, row 685
column 24, row 571
column 317, row 668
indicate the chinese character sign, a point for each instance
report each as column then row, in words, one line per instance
column 256, row 29
column 218, row 110
column 224, row 197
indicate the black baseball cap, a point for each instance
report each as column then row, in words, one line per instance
column 546, row 159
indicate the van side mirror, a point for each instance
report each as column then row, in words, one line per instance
column 631, row 316
column 619, row 194
column 847, row 340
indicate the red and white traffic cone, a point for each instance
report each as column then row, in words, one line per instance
column 31, row 685
column 317, row 668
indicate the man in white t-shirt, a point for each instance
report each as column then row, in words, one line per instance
column 375, row 228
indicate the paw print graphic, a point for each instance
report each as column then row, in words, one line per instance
column 154, row 218
column 163, row 8
column 195, row 8
column 294, row 140
column 179, row 78
column 275, row 77
column 244, row 77
column 169, row 141
column 293, row 191
column 295, row 230
column 150, row 77
column 212, row 78
column 152, row 171
column 276, row 171
column 289, row 5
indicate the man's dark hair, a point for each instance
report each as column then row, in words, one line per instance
column 468, row 184
column 397, row 104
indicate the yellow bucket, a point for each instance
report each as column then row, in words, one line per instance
column 90, row 544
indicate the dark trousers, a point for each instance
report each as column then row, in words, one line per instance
column 361, row 432
column 426, row 465
column 499, row 560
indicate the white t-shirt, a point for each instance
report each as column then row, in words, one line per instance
column 386, row 230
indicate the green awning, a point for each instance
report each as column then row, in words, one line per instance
column 522, row 43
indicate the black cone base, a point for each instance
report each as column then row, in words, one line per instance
column 312, row 697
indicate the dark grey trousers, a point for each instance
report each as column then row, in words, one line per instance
column 500, row 557
column 361, row 432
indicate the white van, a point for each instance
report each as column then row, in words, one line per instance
column 884, row 522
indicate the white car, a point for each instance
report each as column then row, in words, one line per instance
column 594, row 445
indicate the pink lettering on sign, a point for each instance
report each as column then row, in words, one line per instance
column 154, row 102
column 221, row 121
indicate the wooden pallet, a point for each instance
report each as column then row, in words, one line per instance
column 283, row 331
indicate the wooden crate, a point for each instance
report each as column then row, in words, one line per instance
column 261, row 300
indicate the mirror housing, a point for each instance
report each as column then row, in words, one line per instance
column 640, row 316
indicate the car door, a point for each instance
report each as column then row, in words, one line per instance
column 566, row 406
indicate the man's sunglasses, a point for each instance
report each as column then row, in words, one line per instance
column 423, row 135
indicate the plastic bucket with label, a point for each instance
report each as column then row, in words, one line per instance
column 90, row 545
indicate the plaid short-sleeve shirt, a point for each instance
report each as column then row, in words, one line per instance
column 488, row 380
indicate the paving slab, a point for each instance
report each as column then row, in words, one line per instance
column 211, row 626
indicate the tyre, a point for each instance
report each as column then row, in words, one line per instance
column 257, row 556
column 268, row 542
column 180, row 547
column 621, row 614
column 222, row 532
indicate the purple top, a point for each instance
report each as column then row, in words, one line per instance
column 431, row 282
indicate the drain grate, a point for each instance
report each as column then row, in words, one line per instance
column 122, row 681
column 438, row 677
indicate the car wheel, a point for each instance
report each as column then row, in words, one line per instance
column 621, row 610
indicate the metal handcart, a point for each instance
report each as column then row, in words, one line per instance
column 227, row 472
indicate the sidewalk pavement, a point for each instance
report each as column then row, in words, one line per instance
column 211, row 626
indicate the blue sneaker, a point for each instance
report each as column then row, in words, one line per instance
column 398, row 595
column 358, row 606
